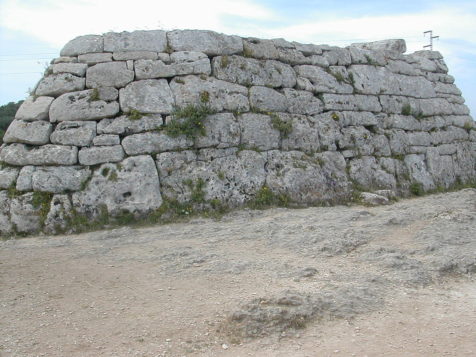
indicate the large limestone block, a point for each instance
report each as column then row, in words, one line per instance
column 147, row 96
column 402, row 67
column 153, row 142
column 368, row 174
column 106, row 140
column 221, row 95
column 304, row 136
column 148, row 69
column 328, row 129
column 440, row 167
column 60, row 212
column 361, row 119
column 124, row 125
column 221, row 131
column 58, row 84
column 100, row 154
column 95, row 58
column 77, row 69
column 81, row 106
column 76, row 133
column 337, row 56
column 357, row 138
column 8, row 176
column 5, row 223
column 257, row 132
column 209, row 42
column 261, row 49
column 395, row 45
column 24, row 215
column 230, row 177
column 134, row 55
column 351, row 102
column 464, row 162
column 249, row 71
column 83, row 44
column 22, row 155
column 419, row 172
column 57, row 179
column 33, row 133
column 379, row 80
column 317, row 80
column 109, row 74
column 132, row 186
column 302, row 102
column 268, row 99
column 34, row 109
column 404, row 122
column 374, row 58
column 24, row 178
column 154, row 41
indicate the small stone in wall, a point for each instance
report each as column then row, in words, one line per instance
column 34, row 109
column 373, row 199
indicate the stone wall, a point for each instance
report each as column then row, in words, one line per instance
column 130, row 123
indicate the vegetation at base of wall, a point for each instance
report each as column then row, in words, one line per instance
column 266, row 198
column 42, row 200
column 7, row 114
column 188, row 121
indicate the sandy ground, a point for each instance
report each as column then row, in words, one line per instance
column 393, row 280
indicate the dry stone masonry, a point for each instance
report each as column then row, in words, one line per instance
column 100, row 134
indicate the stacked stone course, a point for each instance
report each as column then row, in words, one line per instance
column 91, row 134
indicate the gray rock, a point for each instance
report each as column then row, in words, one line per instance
column 187, row 56
column 257, row 132
column 404, row 122
column 83, row 44
column 77, row 69
column 74, row 133
column 395, row 45
column 5, row 223
column 81, row 106
column 209, row 42
column 261, row 49
column 21, row 155
column 131, row 186
column 134, row 55
column 60, row 212
column 304, row 135
column 109, row 74
column 328, row 129
column 107, row 94
column 153, row 142
column 8, row 176
column 154, row 41
column 147, row 96
column 24, row 181
column 24, row 216
column 402, row 67
column 317, row 80
column 361, row 119
column 418, row 171
column 124, row 125
column 357, row 138
column 363, row 56
column 106, row 140
column 65, row 59
column 221, row 131
column 373, row 199
column 302, row 102
column 267, row 99
column 58, row 84
column 34, row 109
column 369, row 175
column 58, row 179
column 146, row 69
column 222, row 95
column 440, row 167
column 338, row 56
column 33, row 133
column 95, row 58
column 351, row 102
column 100, row 154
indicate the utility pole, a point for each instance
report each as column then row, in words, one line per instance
column 431, row 39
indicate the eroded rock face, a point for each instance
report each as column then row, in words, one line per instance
column 121, row 122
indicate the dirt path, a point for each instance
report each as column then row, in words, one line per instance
column 340, row 281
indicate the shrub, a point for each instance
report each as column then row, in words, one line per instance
column 188, row 121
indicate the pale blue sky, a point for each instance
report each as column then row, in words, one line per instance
column 32, row 32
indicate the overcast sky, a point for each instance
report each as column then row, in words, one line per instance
column 32, row 32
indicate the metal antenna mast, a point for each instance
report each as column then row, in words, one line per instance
column 431, row 39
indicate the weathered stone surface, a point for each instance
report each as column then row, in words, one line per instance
column 94, row 58
column 418, row 171
column 81, row 106
column 107, row 94
column 373, row 199
column 363, row 56
column 369, row 175
column 5, row 223
column 65, row 59
column 357, row 138
column 405, row 122
column 154, row 41
column 338, row 56
column 261, row 49
column 58, row 179
column 109, row 74
column 78, row 69
column 83, row 44
column 257, row 132
column 316, row 80
column 131, row 186
column 361, row 119
column 222, row 95
column 396, row 45
column 123, row 125
column 304, row 136
column 267, row 99
column 24, row 181
column 60, row 212
column 302, row 102
column 34, row 109
column 106, row 140
column 134, row 55
column 328, row 129
column 221, row 131
column 58, row 84
column 351, row 102
column 24, row 216
column 100, row 154
column 147, row 69
column 74, row 133
column 440, row 167
column 153, row 142
column 33, row 133
column 147, row 96
column 208, row 42
column 249, row 71
column 22, row 155
column 8, row 176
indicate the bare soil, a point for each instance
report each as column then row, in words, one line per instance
column 393, row 280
